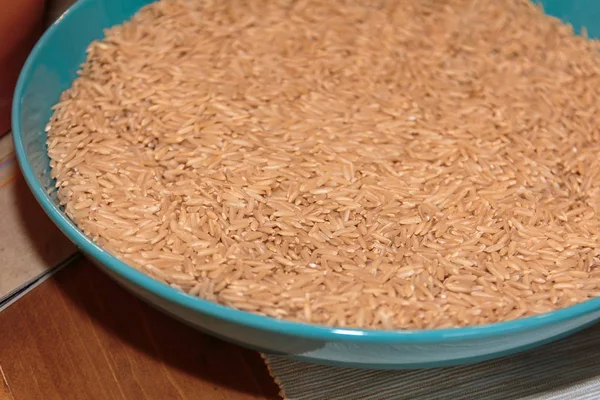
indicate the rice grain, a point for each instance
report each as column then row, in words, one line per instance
column 383, row 164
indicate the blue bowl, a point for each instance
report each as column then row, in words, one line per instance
column 51, row 68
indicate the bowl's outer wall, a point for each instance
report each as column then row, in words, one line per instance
column 52, row 68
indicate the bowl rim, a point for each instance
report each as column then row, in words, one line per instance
column 231, row 315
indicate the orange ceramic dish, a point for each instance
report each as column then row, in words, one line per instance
column 20, row 26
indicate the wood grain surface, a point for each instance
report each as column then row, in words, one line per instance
column 81, row 336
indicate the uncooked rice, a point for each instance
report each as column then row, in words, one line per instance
column 383, row 164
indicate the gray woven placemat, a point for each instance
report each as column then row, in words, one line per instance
column 565, row 370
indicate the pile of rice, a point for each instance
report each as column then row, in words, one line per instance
column 376, row 163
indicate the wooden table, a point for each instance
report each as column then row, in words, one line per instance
column 81, row 336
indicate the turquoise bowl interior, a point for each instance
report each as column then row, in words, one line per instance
column 50, row 69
